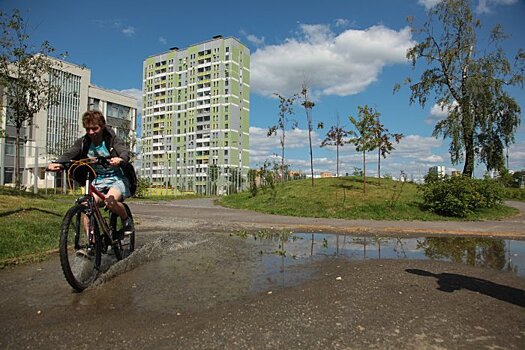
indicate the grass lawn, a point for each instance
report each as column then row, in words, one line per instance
column 29, row 224
column 343, row 198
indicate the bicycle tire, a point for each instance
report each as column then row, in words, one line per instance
column 80, row 270
column 125, row 243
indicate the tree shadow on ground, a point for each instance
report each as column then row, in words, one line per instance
column 348, row 187
column 349, row 183
column 450, row 282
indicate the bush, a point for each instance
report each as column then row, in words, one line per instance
column 515, row 194
column 252, row 181
column 142, row 187
column 460, row 196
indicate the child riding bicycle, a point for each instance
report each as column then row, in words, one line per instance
column 101, row 141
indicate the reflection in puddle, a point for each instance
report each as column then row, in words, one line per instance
column 181, row 273
column 284, row 257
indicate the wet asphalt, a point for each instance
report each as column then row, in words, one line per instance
column 191, row 284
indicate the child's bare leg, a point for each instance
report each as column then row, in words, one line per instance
column 114, row 204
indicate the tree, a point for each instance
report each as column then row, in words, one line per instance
column 335, row 137
column 364, row 136
column 285, row 111
column 384, row 145
column 24, row 75
column 469, row 81
column 213, row 173
column 308, row 105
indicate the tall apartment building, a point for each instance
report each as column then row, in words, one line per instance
column 59, row 126
column 196, row 109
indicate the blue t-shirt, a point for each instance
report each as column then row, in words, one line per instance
column 109, row 173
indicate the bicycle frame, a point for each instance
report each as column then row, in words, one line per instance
column 90, row 192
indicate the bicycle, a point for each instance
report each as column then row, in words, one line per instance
column 81, row 247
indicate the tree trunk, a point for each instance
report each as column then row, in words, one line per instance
column 18, row 181
column 379, row 166
column 282, row 159
column 337, row 161
column 468, row 141
column 364, row 172
column 468, row 168
column 311, row 153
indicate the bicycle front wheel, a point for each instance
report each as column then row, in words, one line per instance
column 80, row 259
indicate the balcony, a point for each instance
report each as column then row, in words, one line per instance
column 204, row 63
column 203, row 87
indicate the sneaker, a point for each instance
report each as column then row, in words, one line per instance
column 84, row 253
column 127, row 226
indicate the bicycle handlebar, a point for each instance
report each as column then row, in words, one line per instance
column 102, row 160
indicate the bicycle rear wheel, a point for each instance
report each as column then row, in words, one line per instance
column 79, row 258
column 125, row 242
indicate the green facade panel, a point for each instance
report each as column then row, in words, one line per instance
column 186, row 98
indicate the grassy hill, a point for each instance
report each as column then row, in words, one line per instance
column 343, row 198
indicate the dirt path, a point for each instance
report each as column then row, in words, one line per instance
column 202, row 214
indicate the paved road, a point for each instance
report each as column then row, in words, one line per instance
column 202, row 214
column 190, row 285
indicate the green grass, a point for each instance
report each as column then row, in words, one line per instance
column 343, row 198
column 29, row 224
column 515, row 194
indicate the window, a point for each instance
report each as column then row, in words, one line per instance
column 10, row 148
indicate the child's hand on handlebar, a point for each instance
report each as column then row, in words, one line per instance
column 55, row 167
column 115, row 161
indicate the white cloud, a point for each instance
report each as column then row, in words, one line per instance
column 263, row 147
column 517, row 156
column 417, row 147
column 115, row 24
column 414, row 154
column 255, row 40
column 428, row 3
column 135, row 93
column 439, row 112
column 486, row 6
column 341, row 22
column 128, row 31
column 163, row 40
column 433, row 158
column 331, row 64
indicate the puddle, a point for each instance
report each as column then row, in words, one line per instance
column 181, row 273
column 282, row 253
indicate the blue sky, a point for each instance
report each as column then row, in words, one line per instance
column 351, row 53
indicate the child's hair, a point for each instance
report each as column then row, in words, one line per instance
column 92, row 116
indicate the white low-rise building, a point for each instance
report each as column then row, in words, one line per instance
column 55, row 129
